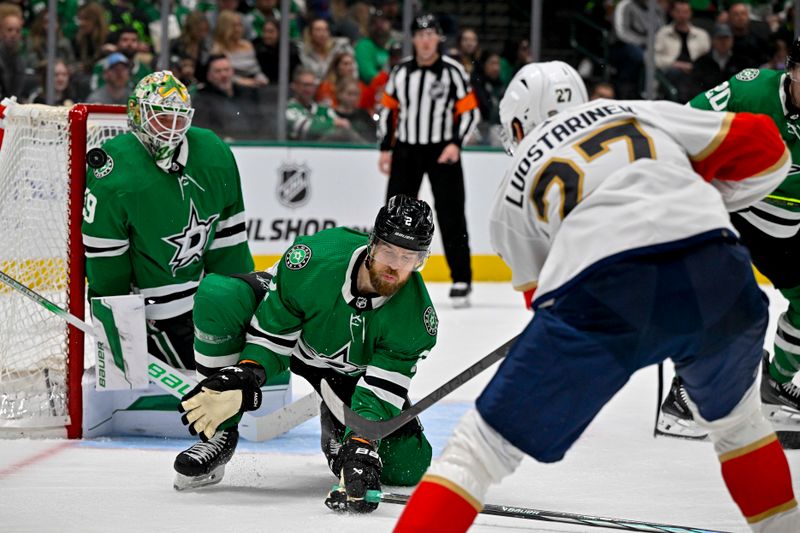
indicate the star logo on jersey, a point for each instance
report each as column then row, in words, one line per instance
column 298, row 256
column 339, row 360
column 431, row 321
column 191, row 242
column 748, row 74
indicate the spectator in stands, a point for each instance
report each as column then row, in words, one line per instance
column 271, row 9
column 777, row 54
column 14, row 71
column 90, row 38
column 372, row 51
column 267, row 50
column 372, row 94
column 363, row 125
column 230, row 5
column 469, row 49
column 489, row 90
column 318, row 48
column 231, row 111
column 36, row 42
column 116, row 75
column 602, row 89
column 515, row 55
column 64, row 91
column 626, row 54
column 343, row 67
column 229, row 40
column 350, row 19
column 747, row 44
column 719, row 64
column 677, row 46
column 305, row 119
column 125, row 41
column 194, row 44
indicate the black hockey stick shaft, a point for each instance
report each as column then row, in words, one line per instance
column 378, row 429
column 565, row 518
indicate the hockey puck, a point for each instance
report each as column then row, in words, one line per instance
column 96, row 157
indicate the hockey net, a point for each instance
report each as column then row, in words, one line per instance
column 42, row 182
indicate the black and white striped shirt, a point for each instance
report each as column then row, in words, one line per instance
column 427, row 105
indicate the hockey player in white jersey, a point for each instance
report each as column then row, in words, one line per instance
column 616, row 213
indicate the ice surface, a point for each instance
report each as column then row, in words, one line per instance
column 616, row 469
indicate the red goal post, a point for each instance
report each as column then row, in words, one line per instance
column 42, row 183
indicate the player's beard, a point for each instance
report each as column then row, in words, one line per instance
column 382, row 286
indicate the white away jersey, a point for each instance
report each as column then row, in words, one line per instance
column 612, row 176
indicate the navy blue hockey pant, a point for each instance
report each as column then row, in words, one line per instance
column 698, row 305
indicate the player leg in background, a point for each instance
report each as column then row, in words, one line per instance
column 223, row 307
column 447, row 185
column 575, row 355
column 777, row 259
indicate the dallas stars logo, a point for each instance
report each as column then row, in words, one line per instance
column 191, row 242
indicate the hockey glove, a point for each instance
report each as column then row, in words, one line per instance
column 360, row 470
column 231, row 391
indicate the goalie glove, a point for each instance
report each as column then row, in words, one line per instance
column 359, row 471
column 231, row 391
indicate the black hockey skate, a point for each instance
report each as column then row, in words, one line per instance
column 459, row 294
column 676, row 419
column 781, row 406
column 204, row 463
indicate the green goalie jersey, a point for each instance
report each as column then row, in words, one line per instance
column 158, row 233
column 314, row 314
column 763, row 91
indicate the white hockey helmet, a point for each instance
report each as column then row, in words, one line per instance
column 160, row 113
column 537, row 92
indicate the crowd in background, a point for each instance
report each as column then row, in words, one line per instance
column 341, row 52
column 698, row 43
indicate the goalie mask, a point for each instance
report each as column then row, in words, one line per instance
column 537, row 92
column 160, row 113
column 407, row 224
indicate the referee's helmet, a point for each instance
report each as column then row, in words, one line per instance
column 537, row 92
column 425, row 21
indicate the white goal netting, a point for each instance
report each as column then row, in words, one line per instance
column 35, row 185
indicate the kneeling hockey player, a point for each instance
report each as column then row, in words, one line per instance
column 342, row 306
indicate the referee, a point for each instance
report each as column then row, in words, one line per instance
column 429, row 109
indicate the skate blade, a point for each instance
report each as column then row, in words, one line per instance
column 460, row 302
column 672, row 426
column 782, row 417
column 183, row 482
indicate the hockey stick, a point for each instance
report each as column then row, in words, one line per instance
column 178, row 384
column 377, row 429
column 556, row 516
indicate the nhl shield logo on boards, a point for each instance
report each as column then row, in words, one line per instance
column 293, row 185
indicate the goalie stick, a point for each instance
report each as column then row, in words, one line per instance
column 378, row 429
column 178, row 384
column 556, row 516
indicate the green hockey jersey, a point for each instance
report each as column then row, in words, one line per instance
column 764, row 91
column 308, row 123
column 158, row 233
column 314, row 314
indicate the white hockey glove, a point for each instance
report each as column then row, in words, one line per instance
column 230, row 392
